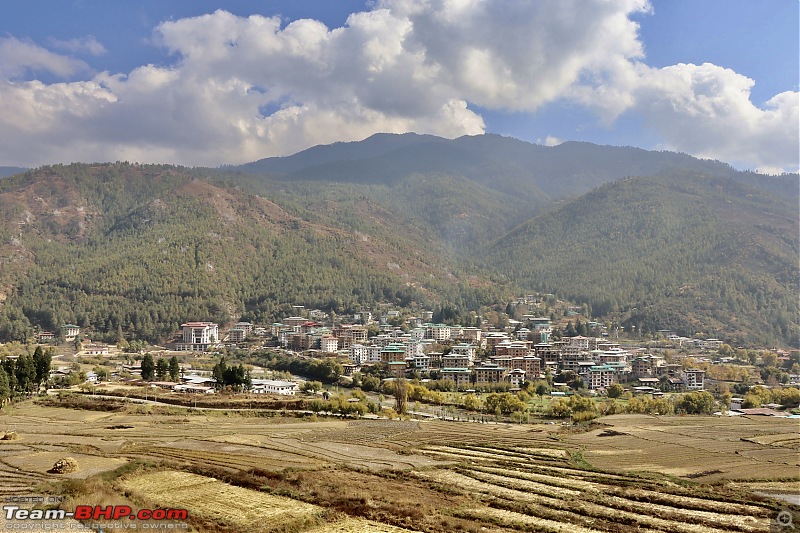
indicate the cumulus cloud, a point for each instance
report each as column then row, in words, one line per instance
column 242, row 88
column 706, row 110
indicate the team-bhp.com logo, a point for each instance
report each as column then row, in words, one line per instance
column 94, row 512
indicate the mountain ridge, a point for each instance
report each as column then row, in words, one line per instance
column 136, row 249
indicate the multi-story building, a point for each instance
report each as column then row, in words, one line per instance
column 452, row 360
column 614, row 355
column 530, row 364
column 246, row 326
column 197, row 336
column 421, row 363
column 646, row 366
column 329, row 344
column 495, row 338
column 471, row 335
column 393, row 353
column 70, row 332
column 437, row 332
column 489, row 373
column 435, row 360
column 236, row 335
column 547, row 352
column 571, row 360
column 350, row 334
column 463, row 349
column 460, row 376
column 516, row 377
column 694, row 378
column 358, row 354
column 513, row 349
column 599, row 377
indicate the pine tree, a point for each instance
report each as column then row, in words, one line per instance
column 174, row 369
column 162, row 368
column 148, row 367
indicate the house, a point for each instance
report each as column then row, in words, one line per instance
column 197, row 336
column 349, row 369
column 269, row 386
column 96, row 349
column 46, row 336
column 194, row 389
column 199, row 381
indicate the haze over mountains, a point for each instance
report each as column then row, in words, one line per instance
column 652, row 239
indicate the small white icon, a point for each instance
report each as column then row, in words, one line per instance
column 784, row 519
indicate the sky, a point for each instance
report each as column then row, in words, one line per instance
column 203, row 83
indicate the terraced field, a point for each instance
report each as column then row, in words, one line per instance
column 242, row 473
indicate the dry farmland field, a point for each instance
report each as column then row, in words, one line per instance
column 245, row 471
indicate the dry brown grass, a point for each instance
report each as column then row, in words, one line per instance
column 434, row 477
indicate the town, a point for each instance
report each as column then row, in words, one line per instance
column 557, row 356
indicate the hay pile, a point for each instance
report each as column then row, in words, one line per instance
column 67, row 465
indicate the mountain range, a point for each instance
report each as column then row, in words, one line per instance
column 658, row 240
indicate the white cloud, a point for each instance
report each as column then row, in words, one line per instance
column 84, row 45
column 706, row 110
column 242, row 88
column 18, row 58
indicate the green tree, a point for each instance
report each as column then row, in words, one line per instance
column 615, row 390
column 311, row 386
column 174, row 369
column 25, row 371
column 162, row 368
column 696, row 403
column 5, row 387
column 148, row 367
column 41, row 361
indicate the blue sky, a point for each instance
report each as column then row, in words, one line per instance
column 206, row 83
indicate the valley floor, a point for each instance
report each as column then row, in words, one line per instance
column 245, row 472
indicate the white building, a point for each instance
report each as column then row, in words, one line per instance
column 70, row 332
column 329, row 344
column 694, row 378
column 269, row 386
column 197, row 336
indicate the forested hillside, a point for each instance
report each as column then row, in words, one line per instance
column 134, row 250
column 690, row 253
